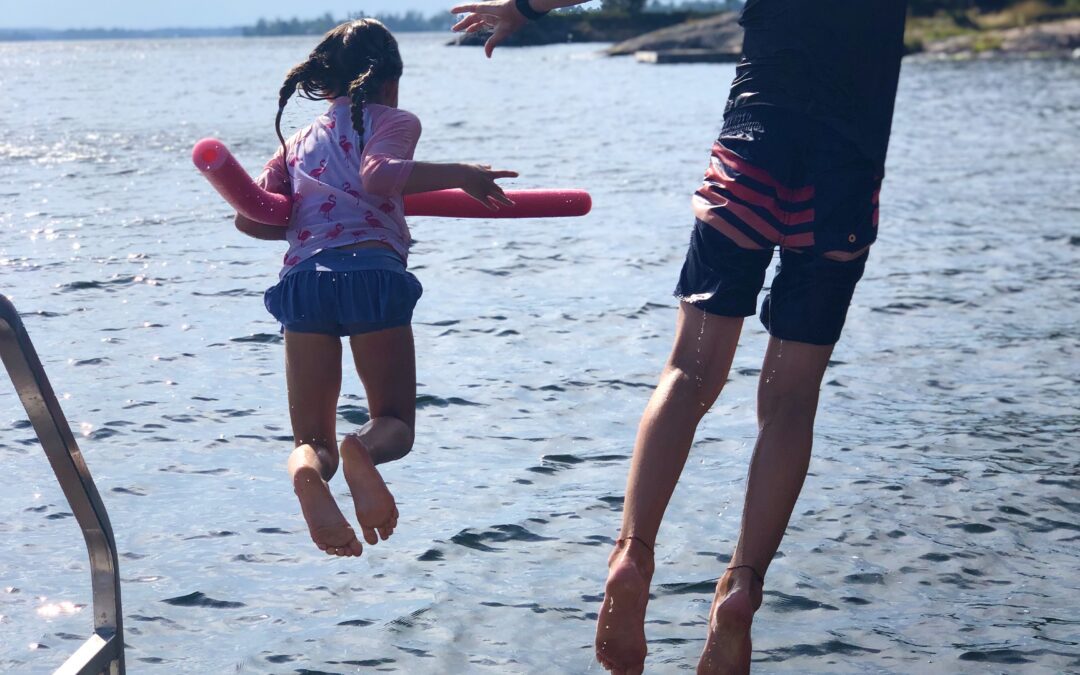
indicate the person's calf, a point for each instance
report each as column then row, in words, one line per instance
column 789, row 407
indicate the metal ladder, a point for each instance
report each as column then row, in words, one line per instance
column 102, row 652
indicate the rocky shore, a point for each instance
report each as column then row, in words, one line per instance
column 1052, row 38
column 719, row 33
column 678, row 37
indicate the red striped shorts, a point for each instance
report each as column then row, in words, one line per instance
column 779, row 178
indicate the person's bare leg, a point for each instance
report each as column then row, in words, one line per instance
column 787, row 403
column 692, row 379
column 313, row 373
column 386, row 363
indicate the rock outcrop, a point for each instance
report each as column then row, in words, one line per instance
column 719, row 34
column 1053, row 38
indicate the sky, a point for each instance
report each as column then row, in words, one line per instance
column 144, row 14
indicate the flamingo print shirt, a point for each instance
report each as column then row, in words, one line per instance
column 342, row 195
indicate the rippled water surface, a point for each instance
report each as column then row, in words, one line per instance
column 937, row 531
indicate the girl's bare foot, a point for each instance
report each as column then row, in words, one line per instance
column 375, row 506
column 326, row 524
column 620, row 626
column 728, row 648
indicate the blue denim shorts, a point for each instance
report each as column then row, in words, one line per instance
column 338, row 292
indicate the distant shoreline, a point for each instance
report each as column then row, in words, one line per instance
column 90, row 35
column 48, row 34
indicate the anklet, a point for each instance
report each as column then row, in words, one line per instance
column 637, row 539
column 761, row 579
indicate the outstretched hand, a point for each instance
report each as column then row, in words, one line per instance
column 501, row 16
column 479, row 183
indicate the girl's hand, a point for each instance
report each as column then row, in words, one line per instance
column 478, row 181
column 272, row 180
column 499, row 15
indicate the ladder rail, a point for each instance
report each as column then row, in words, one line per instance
column 104, row 650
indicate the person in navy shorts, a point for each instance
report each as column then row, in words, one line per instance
column 797, row 168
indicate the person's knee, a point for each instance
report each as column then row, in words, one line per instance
column 689, row 385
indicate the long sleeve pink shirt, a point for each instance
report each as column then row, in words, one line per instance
column 342, row 195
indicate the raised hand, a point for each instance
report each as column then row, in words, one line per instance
column 499, row 15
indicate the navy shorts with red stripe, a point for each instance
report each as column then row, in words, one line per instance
column 780, row 179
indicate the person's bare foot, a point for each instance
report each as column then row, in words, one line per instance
column 326, row 524
column 728, row 648
column 620, row 626
column 375, row 506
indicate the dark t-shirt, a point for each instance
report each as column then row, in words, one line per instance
column 836, row 60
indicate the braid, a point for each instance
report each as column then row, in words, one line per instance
column 292, row 79
column 287, row 90
column 358, row 92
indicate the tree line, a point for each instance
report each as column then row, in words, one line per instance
column 407, row 22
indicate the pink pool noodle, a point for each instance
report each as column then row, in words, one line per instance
column 233, row 183
column 527, row 204
column 217, row 164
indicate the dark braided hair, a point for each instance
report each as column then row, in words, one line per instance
column 353, row 59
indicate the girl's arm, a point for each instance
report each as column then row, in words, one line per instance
column 387, row 167
column 387, row 159
column 274, row 178
column 477, row 180
column 502, row 16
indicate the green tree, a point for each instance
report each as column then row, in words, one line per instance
column 625, row 6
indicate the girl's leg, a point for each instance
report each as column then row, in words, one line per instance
column 692, row 379
column 386, row 363
column 787, row 404
column 313, row 374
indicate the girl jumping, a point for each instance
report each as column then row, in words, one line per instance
column 345, row 273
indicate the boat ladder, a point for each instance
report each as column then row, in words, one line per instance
column 102, row 652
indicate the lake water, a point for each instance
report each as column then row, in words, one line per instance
column 937, row 532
